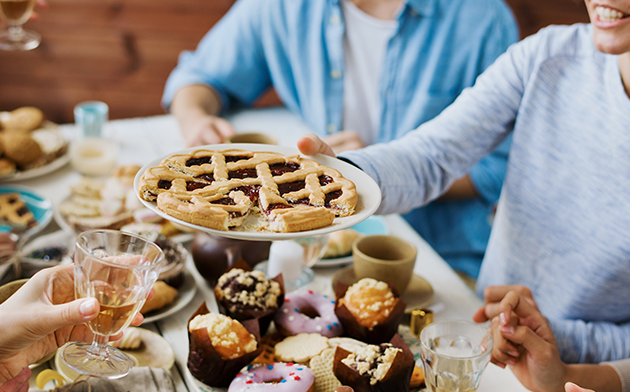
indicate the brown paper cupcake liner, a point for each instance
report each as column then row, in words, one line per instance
column 207, row 365
column 264, row 317
column 380, row 333
column 397, row 378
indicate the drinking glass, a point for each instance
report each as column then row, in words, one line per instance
column 454, row 355
column 15, row 13
column 118, row 269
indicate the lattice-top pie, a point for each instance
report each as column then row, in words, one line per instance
column 220, row 189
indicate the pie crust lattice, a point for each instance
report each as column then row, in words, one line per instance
column 220, row 189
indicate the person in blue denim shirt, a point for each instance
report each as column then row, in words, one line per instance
column 358, row 72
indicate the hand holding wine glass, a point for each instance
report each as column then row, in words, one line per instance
column 119, row 270
column 41, row 317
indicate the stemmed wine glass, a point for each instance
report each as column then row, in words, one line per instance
column 118, row 269
column 15, row 13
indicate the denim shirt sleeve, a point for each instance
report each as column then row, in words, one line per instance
column 417, row 168
column 229, row 58
column 487, row 175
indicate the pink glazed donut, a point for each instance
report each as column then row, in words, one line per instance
column 290, row 321
column 292, row 378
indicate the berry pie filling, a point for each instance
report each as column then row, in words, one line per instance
column 191, row 185
column 208, row 177
column 164, row 184
column 250, row 191
column 243, row 173
column 291, row 187
column 278, row 169
column 237, row 158
column 198, row 161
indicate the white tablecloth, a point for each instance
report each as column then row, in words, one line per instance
column 144, row 139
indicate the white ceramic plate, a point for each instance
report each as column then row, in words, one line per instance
column 367, row 190
column 38, row 171
column 38, row 204
column 371, row 226
column 186, row 292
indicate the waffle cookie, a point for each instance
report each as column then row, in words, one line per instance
column 220, row 189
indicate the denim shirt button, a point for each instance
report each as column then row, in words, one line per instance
column 335, row 20
column 331, row 128
column 335, row 74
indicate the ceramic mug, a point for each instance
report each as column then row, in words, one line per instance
column 252, row 137
column 386, row 258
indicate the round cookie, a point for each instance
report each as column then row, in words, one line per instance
column 24, row 119
column 21, row 148
column 301, row 347
column 290, row 320
column 292, row 378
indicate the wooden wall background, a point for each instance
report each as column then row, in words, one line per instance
column 121, row 51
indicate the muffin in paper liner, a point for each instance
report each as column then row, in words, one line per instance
column 264, row 317
column 207, row 365
column 380, row 333
column 397, row 378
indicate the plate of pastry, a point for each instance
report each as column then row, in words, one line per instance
column 111, row 203
column 169, row 297
column 23, row 211
column 339, row 244
column 257, row 192
column 315, row 343
column 31, row 146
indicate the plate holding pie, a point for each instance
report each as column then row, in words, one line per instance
column 254, row 191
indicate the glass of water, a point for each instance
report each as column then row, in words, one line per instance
column 454, row 355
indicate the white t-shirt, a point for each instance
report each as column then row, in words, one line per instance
column 364, row 44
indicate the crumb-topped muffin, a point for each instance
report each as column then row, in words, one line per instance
column 219, row 347
column 229, row 338
column 373, row 360
column 376, row 368
column 241, row 290
column 370, row 301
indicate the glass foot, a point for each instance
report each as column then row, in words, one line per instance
column 26, row 40
column 111, row 363
column 305, row 278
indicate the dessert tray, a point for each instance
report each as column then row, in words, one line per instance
column 410, row 340
column 55, row 149
column 186, row 292
column 38, row 171
column 369, row 195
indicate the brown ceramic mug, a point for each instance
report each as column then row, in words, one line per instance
column 252, row 137
column 386, row 258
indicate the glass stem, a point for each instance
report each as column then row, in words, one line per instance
column 16, row 33
column 99, row 346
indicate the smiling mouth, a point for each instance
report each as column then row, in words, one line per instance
column 609, row 15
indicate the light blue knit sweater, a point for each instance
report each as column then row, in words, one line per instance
column 563, row 222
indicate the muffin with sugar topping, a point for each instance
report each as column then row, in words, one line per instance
column 244, row 294
column 219, row 346
column 383, row 367
column 228, row 336
column 370, row 301
column 369, row 310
